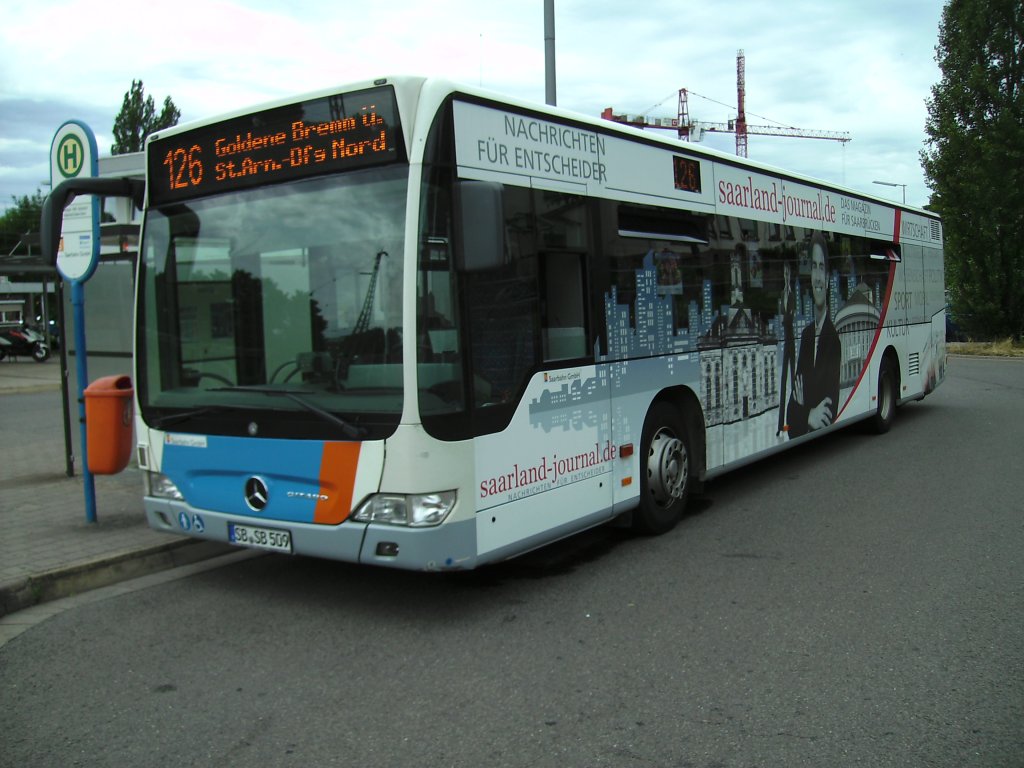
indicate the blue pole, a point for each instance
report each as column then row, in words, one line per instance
column 81, row 367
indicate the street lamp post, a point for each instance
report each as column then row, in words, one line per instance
column 894, row 184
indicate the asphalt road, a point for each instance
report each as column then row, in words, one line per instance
column 859, row 601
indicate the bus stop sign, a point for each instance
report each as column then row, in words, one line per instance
column 73, row 155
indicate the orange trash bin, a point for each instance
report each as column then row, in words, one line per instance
column 108, row 423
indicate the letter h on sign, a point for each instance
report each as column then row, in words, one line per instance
column 70, row 156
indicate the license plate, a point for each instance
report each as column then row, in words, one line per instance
column 260, row 538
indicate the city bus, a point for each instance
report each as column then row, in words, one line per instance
column 415, row 324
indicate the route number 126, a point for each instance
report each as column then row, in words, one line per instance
column 185, row 168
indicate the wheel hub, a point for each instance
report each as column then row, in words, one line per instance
column 667, row 468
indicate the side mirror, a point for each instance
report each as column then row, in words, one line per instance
column 481, row 224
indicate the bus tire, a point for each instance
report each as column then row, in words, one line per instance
column 665, row 466
column 881, row 422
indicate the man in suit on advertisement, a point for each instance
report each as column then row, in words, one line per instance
column 814, row 403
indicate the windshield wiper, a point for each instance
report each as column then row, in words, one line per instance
column 177, row 418
column 351, row 430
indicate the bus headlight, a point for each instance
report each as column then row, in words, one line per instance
column 411, row 510
column 161, row 486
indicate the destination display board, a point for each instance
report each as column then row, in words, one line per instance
column 325, row 135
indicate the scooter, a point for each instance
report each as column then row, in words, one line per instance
column 23, row 342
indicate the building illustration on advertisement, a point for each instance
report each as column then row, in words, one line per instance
column 857, row 324
column 735, row 348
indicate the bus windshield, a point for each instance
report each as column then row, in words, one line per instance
column 276, row 310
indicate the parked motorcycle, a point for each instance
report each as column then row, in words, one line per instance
column 23, row 342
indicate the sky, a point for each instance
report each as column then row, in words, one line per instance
column 865, row 67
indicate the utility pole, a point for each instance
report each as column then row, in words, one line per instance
column 549, row 53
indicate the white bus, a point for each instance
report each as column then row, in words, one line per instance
column 415, row 324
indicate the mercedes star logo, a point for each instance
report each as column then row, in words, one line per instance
column 256, row 495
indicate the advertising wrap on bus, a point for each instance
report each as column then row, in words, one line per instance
column 742, row 300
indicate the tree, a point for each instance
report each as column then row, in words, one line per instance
column 974, row 161
column 20, row 219
column 138, row 118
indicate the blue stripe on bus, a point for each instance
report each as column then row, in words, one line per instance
column 214, row 477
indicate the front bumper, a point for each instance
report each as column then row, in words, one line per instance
column 449, row 546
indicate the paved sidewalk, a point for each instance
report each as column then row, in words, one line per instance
column 47, row 549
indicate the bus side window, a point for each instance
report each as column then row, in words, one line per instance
column 439, row 353
column 502, row 321
column 564, row 320
column 563, row 231
column 503, row 309
column 437, row 322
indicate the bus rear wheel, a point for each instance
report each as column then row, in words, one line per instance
column 886, row 411
column 664, row 470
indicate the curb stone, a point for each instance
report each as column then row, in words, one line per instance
column 104, row 571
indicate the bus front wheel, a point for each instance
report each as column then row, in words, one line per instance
column 664, row 470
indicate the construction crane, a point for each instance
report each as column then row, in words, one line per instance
column 363, row 321
column 694, row 130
